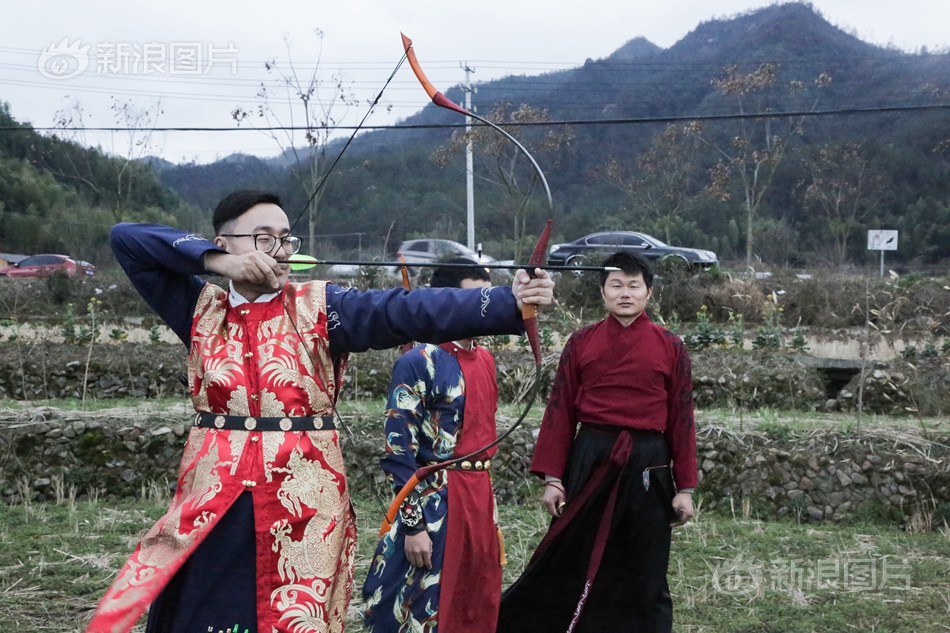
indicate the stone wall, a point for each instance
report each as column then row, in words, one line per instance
column 734, row 379
column 825, row 474
column 98, row 454
column 46, row 370
column 817, row 475
column 90, row 454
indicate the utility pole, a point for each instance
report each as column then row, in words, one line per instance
column 469, row 162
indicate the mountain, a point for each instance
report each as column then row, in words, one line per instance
column 386, row 174
column 636, row 49
column 204, row 185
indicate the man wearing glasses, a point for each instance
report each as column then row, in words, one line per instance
column 260, row 535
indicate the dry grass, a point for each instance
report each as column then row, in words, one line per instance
column 725, row 573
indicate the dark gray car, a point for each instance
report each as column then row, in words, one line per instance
column 591, row 248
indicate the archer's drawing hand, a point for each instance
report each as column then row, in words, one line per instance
column 255, row 267
column 419, row 549
column 538, row 290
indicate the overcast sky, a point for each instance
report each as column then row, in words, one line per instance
column 360, row 42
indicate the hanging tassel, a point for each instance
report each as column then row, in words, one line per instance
column 501, row 537
column 501, row 547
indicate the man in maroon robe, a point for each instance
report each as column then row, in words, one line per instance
column 618, row 484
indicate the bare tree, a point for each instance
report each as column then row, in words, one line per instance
column 301, row 98
column 846, row 188
column 759, row 144
column 663, row 185
column 112, row 174
column 504, row 166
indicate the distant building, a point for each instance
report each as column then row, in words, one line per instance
column 9, row 259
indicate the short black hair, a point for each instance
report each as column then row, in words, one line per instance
column 630, row 264
column 452, row 277
column 236, row 204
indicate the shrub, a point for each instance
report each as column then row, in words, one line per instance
column 769, row 334
column 59, row 286
column 707, row 334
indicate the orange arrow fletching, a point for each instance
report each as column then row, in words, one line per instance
column 405, row 273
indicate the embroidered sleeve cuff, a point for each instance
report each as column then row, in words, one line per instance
column 410, row 514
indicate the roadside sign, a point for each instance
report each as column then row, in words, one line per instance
column 882, row 240
column 879, row 240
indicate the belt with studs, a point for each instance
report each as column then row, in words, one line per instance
column 253, row 423
column 470, row 465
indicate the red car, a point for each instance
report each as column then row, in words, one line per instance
column 45, row 265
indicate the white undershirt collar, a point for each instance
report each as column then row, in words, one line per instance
column 235, row 298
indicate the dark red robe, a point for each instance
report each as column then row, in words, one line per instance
column 471, row 569
column 635, row 377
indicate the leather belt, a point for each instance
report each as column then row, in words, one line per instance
column 251, row 423
column 469, row 465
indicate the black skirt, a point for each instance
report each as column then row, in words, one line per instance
column 628, row 590
column 216, row 588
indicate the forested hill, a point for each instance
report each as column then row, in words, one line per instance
column 57, row 196
column 643, row 80
column 684, row 183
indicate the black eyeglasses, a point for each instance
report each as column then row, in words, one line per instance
column 266, row 242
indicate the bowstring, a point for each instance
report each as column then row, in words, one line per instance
column 332, row 397
column 347, row 431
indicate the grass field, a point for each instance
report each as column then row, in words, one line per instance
column 726, row 575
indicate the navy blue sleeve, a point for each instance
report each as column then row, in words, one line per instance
column 378, row 319
column 406, row 414
column 163, row 264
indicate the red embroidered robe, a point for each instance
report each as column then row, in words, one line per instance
column 249, row 361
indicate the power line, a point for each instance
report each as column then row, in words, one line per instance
column 576, row 122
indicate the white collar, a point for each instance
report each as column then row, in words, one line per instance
column 235, row 298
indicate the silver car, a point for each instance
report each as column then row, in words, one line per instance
column 427, row 251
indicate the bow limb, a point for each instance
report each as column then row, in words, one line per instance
column 529, row 314
column 442, row 101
